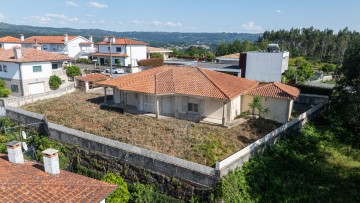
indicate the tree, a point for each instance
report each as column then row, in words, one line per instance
column 256, row 104
column 54, row 82
column 4, row 92
column 345, row 103
column 156, row 55
column 121, row 194
column 328, row 68
column 72, row 71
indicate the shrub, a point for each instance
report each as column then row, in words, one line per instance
column 156, row 55
column 72, row 71
column 141, row 193
column 4, row 92
column 121, row 194
column 154, row 62
column 54, row 82
column 83, row 60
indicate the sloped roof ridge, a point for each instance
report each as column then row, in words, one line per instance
column 279, row 85
column 161, row 72
column 212, row 82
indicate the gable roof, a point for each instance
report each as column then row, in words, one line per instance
column 157, row 50
column 31, row 55
column 9, row 39
column 28, row 182
column 47, row 39
column 123, row 41
column 93, row 77
column 184, row 80
column 275, row 90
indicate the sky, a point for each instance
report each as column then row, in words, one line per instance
column 240, row 16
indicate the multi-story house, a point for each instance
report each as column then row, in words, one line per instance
column 73, row 46
column 9, row 42
column 124, row 52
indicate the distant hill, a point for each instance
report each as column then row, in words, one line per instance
column 154, row 38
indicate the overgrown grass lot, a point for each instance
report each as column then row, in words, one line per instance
column 201, row 143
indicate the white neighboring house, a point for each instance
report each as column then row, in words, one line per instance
column 164, row 52
column 124, row 52
column 264, row 66
column 9, row 42
column 27, row 70
column 73, row 46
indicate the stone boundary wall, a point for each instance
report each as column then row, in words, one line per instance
column 258, row 147
column 140, row 157
column 20, row 101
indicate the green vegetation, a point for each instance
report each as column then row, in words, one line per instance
column 257, row 104
column 156, row 55
column 238, row 46
column 194, row 52
column 83, row 60
column 4, row 92
column 72, row 71
column 54, row 82
column 121, row 194
column 153, row 62
column 308, row 166
column 141, row 193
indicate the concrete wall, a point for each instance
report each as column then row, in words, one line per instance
column 135, row 53
column 73, row 46
column 265, row 66
column 9, row 45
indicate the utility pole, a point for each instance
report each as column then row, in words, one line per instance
column 110, row 39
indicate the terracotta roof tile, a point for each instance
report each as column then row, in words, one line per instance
column 183, row 80
column 47, row 39
column 113, row 54
column 29, row 183
column 232, row 56
column 156, row 50
column 9, row 39
column 93, row 77
column 124, row 41
column 275, row 90
column 31, row 55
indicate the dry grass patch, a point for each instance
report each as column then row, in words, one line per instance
column 201, row 143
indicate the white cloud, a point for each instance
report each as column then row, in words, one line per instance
column 278, row 11
column 37, row 19
column 97, row 5
column 89, row 15
column 138, row 22
column 71, row 3
column 166, row 24
column 250, row 27
column 100, row 22
column 2, row 17
column 61, row 17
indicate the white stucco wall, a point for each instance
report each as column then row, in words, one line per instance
column 9, row 45
column 27, row 70
column 279, row 109
column 105, row 49
column 73, row 46
column 135, row 52
column 235, row 106
column 12, row 71
column 266, row 66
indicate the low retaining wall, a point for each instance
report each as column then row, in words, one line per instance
column 311, row 99
column 239, row 158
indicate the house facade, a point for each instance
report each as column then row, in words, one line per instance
column 189, row 93
column 9, row 42
column 124, row 52
column 229, row 59
column 26, row 71
column 73, row 46
column 164, row 52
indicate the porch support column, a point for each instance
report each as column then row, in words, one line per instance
column 157, row 106
column 87, row 86
column 224, row 114
column 124, row 100
column 105, row 99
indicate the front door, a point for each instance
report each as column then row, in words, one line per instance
column 102, row 61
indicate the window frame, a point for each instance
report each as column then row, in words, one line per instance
column 118, row 48
column 37, row 71
column 4, row 68
column 52, row 66
column 1, row 68
column 193, row 107
column 12, row 89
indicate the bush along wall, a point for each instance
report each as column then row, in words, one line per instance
column 154, row 62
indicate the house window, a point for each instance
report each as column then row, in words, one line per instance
column 4, row 68
column 118, row 49
column 193, row 107
column 1, row 68
column 117, row 61
column 59, row 47
column 54, row 66
column 14, row 88
column 108, row 48
column 36, row 69
column 45, row 47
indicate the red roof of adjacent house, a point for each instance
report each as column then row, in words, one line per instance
column 93, row 77
column 29, row 183
column 275, row 90
column 9, row 39
column 31, row 55
column 123, row 41
column 157, row 50
column 183, row 80
column 47, row 39
column 105, row 54
column 85, row 43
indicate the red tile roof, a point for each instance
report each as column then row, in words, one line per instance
column 31, row 55
column 275, row 90
column 93, row 77
column 124, row 41
column 183, row 80
column 85, row 43
column 157, row 50
column 47, row 39
column 108, row 55
column 9, row 39
column 29, row 183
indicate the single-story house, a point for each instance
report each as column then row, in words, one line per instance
column 229, row 59
column 192, row 93
column 26, row 71
column 89, row 81
column 164, row 52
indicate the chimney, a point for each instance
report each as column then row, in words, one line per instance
column 14, row 152
column 106, row 38
column 37, row 46
column 66, row 37
column 51, row 161
column 17, row 52
column 91, row 38
column 112, row 39
column 22, row 37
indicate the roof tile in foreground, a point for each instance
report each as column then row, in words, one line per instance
column 93, row 77
column 183, row 80
column 29, row 183
column 275, row 90
column 31, row 55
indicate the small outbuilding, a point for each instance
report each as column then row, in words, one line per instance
column 89, row 81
